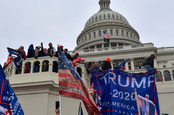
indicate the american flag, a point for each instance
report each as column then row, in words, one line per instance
column 105, row 34
column 71, row 84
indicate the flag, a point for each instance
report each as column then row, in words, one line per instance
column 9, row 103
column 121, row 64
column 17, row 60
column 71, row 84
column 105, row 35
column 146, row 106
column 115, row 91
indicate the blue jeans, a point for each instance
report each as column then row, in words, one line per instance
column 148, row 67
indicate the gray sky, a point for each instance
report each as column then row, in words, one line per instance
column 25, row 22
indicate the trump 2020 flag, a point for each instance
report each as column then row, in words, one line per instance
column 115, row 91
column 146, row 106
column 9, row 104
column 70, row 84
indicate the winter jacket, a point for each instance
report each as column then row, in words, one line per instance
column 148, row 61
column 30, row 51
column 106, row 65
column 96, row 69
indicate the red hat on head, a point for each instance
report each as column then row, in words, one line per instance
column 123, row 68
column 76, row 53
column 65, row 49
column 96, row 64
column 108, row 59
column 61, row 46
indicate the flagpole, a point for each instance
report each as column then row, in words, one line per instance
column 60, row 112
column 136, row 96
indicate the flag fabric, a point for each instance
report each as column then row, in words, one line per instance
column 71, row 84
column 115, row 91
column 17, row 60
column 105, row 35
column 9, row 103
column 146, row 106
column 121, row 64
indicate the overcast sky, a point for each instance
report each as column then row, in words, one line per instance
column 25, row 22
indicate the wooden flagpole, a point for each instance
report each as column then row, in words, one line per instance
column 136, row 96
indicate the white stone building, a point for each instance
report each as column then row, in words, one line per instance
column 37, row 92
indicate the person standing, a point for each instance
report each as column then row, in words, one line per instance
column 107, row 64
column 51, row 50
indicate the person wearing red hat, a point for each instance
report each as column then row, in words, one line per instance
column 106, row 64
column 51, row 50
column 76, row 55
column 61, row 47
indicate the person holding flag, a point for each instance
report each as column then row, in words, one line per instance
column 75, row 87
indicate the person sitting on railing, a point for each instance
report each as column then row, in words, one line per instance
column 30, row 53
column 51, row 50
column 148, row 63
column 107, row 64
column 67, row 54
column 5, row 65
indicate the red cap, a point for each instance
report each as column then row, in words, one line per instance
column 65, row 49
column 123, row 68
column 108, row 59
column 76, row 53
column 61, row 46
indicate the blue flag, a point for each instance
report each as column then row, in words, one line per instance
column 8, row 99
column 121, row 64
column 115, row 91
column 17, row 60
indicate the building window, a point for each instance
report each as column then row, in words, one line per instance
column 96, row 18
column 138, row 62
column 129, row 64
column 94, row 34
column 131, row 35
column 82, row 39
column 108, row 16
column 111, row 32
column 92, row 20
column 85, row 38
column 122, row 33
column 99, row 33
column 89, row 36
column 157, row 76
column 113, row 16
column 127, row 34
column 100, row 17
column 117, row 16
column 117, row 32
column 104, row 17
column 167, row 76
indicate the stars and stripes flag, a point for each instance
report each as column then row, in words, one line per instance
column 105, row 35
column 71, row 84
column 9, row 104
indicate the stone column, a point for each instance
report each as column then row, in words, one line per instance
column 132, row 64
column 110, row 48
column 50, row 66
column 23, row 69
column 126, row 66
column 40, row 69
column 112, row 63
column 31, row 70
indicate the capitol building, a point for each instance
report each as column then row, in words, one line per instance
column 41, row 89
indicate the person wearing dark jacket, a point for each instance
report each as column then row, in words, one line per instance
column 67, row 54
column 148, row 63
column 96, row 68
column 106, row 64
column 30, row 53
column 20, row 51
